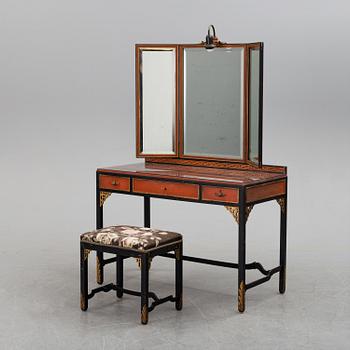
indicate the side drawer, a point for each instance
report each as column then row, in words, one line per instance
column 117, row 183
column 220, row 194
column 265, row 191
column 166, row 188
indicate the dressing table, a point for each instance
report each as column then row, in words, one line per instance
column 199, row 129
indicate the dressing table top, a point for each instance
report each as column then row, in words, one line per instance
column 236, row 177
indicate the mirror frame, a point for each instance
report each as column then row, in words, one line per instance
column 138, row 94
column 181, row 108
column 181, row 158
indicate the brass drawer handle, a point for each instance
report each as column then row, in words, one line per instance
column 220, row 194
column 115, row 183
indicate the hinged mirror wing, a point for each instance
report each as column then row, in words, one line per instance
column 255, row 108
column 156, row 100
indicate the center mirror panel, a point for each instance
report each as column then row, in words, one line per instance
column 213, row 102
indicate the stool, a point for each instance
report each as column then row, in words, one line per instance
column 131, row 241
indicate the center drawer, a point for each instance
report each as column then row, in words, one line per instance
column 166, row 188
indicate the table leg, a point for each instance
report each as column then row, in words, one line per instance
column 241, row 257
column 178, row 276
column 283, row 244
column 99, row 224
column 147, row 211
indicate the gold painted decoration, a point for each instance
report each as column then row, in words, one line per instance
column 139, row 262
column 248, row 209
column 82, row 302
column 180, row 302
column 241, row 297
column 235, row 211
column 86, row 254
column 103, row 197
column 98, row 270
column 144, row 314
column 177, row 254
column 282, row 204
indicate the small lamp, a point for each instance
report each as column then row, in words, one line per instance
column 211, row 41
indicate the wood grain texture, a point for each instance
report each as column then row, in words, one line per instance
column 138, row 102
column 166, row 188
column 221, row 165
column 220, row 194
column 203, row 175
column 263, row 191
column 119, row 183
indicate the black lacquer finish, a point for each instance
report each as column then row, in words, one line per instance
column 147, row 211
column 249, row 195
column 144, row 288
column 83, row 279
column 145, row 257
column 241, row 252
column 120, row 277
column 283, row 247
column 99, row 224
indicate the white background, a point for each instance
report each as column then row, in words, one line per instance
column 67, row 107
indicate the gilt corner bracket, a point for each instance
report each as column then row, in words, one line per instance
column 103, row 197
column 235, row 212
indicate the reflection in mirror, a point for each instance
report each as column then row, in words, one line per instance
column 213, row 102
column 157, row 99
column 254, row 104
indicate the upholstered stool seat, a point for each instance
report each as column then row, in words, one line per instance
column 131, row 241
column 134, row 237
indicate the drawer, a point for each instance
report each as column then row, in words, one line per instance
column 220, row 194
column 264, row 191
column 117, row 183
column 166, row 188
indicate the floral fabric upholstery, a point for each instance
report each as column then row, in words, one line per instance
column 140, row 238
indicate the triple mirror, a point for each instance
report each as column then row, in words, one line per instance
column 200, row 102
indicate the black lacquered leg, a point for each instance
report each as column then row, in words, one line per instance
column 241, row 258
column 147, row 211
column 283, row 246
column 99, row 224
column 144, row 288
column 178, row 277
column 83, row 278
column 120, row 272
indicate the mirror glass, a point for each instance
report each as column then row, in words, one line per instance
column 157, row 100
column 213, row 102
column 254, row 104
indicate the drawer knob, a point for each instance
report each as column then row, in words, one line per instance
column 164, row 188
column 220, row 194
column 114, row 183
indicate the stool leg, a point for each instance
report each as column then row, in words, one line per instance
column 83, row 277
column 120, row 277
column 178, row 277
column 99, row 267
column 144, row 288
